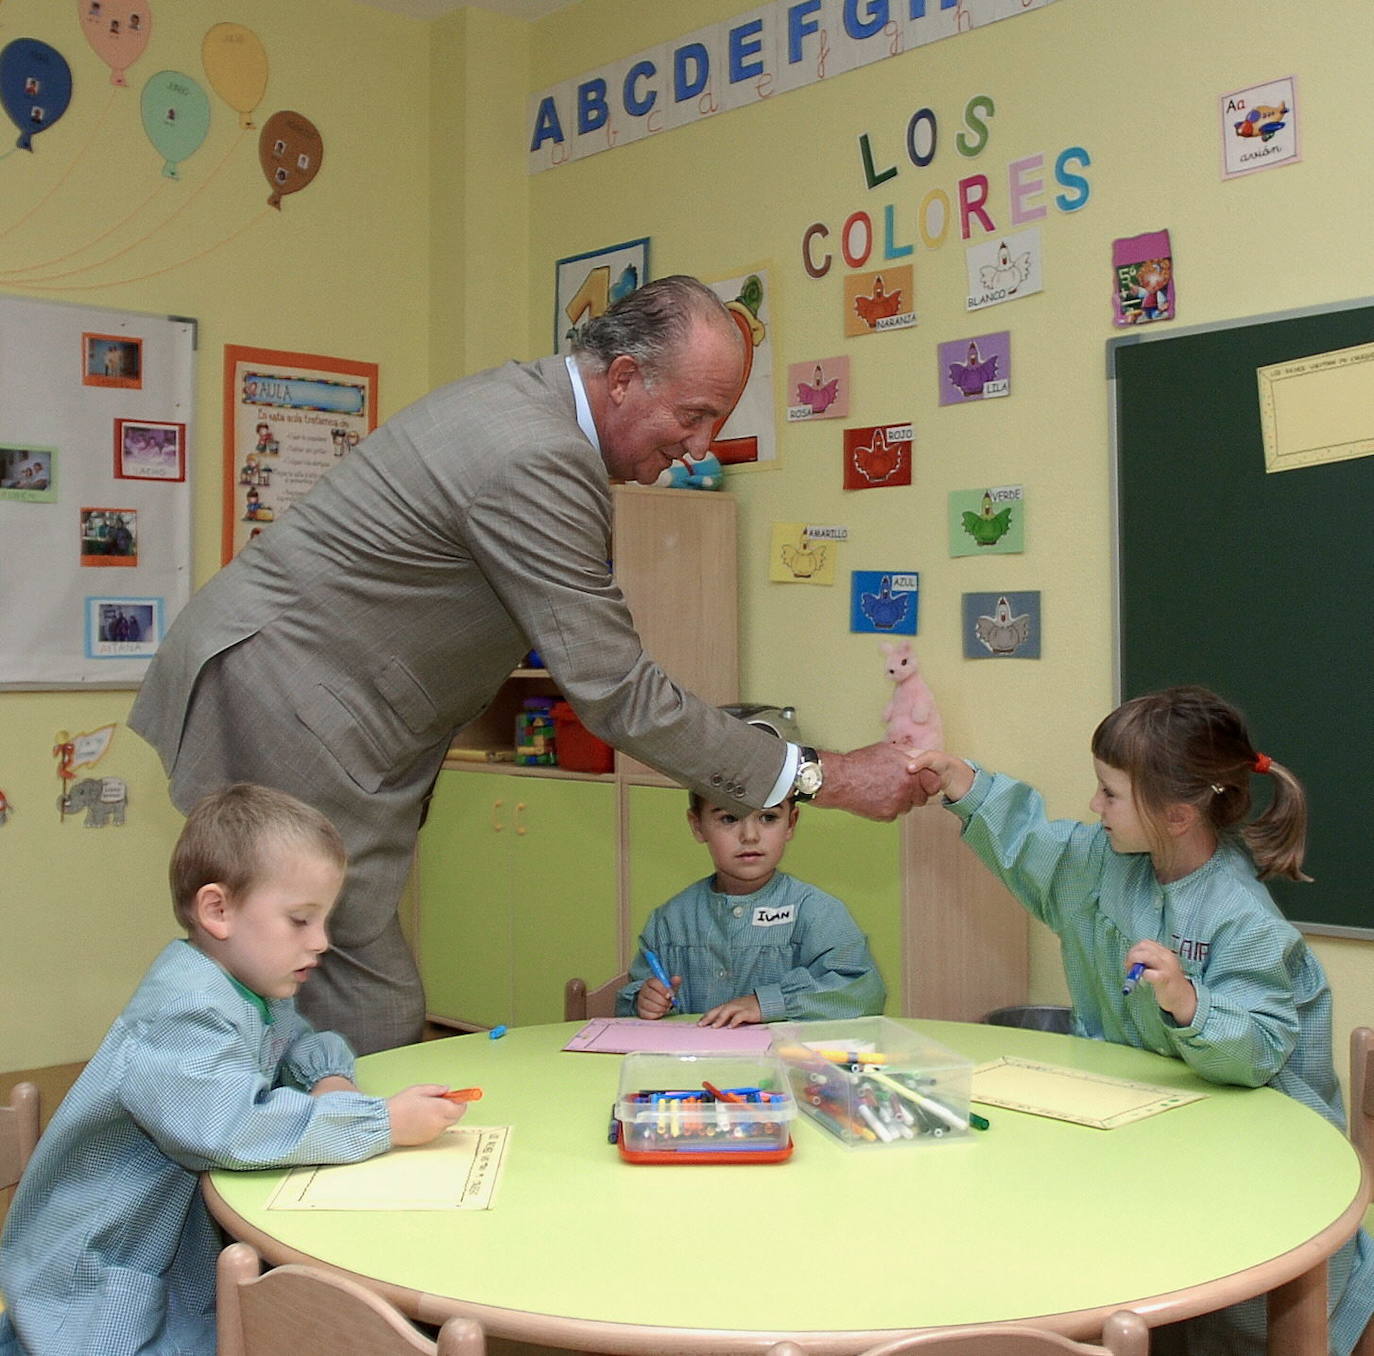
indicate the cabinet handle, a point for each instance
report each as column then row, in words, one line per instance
column 519, row 821
column 496, row 825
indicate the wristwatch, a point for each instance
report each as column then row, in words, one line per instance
column 810, row 775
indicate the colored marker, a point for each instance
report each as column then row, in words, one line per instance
column 1133, row 977
column 722, row 1096
column 463, row 1095
column 979, row 1122
column 661, row 975
column 496, row 1033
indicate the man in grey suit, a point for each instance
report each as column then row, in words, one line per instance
column 336, row 655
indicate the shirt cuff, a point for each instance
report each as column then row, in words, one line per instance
column 772, row 1005
column 968, row 804
column 782, row 788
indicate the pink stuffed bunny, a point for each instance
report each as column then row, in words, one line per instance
column 913, row 719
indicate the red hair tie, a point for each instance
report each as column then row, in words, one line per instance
column 1261, row 764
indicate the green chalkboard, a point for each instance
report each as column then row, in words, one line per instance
column 1258, row 585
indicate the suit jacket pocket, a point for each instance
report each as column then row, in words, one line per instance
column 333, row 723
column 406, row 696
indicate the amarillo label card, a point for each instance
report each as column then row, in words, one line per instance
column 796, row 557
column 881, row 300
column 975, row 369
column 818, row 389
column 989, row 522
column 878, row 456
column 1005, row 269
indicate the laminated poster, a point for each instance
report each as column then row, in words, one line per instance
column 1004, row 269
column 878, row 456
column 797, row 555
column 978, row 368
column 885, row 602
column 818, row 389
column 1002, row 625
column 987, row 522
column 1143, row 277
column 1259, row 128
column 881, row 300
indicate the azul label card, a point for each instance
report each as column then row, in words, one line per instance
column 818, row 389
column 975, row 369
column 884, row 601
column 988, row 522
column 1002, row 625
column 880, row 300
column 878, row 456
column 1005, row 269
column 1259, row 128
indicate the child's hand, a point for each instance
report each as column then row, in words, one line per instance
column 653, row 1000
column 420, row 1113
column 736, row 1012
column 940, row 773
column 1174, row 991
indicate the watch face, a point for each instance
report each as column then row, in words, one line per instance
column 809, row 778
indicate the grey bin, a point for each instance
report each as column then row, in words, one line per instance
column 1035, row 1016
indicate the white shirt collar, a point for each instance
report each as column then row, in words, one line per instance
column 584, row 410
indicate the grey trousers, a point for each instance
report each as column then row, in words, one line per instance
column 367, row 987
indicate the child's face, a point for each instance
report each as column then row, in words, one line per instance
column 1114, row 803
column 746, row 849
column 275, row 934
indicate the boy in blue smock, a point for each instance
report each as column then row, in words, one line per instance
column 751, row 943
column 108, row 1249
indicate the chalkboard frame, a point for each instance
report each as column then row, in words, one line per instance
column 1225, row 616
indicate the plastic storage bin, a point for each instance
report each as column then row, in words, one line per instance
column 579, row 750
column 666, row 1113
column 871, row 1081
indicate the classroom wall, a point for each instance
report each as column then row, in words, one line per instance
column 342, row 269
column 1137, row 86
column 424, row 195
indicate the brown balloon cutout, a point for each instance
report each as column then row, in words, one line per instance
column 290, row 150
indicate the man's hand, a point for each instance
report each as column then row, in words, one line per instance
column 879, row 781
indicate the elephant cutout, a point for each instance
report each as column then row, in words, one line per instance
column 104, row 800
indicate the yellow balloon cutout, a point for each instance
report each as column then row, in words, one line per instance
column 235, row 64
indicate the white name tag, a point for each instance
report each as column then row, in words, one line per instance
column 766, row 918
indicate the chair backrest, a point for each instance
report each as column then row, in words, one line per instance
column 579, row 1002
column 302, row 1311
column 1362, row 1092
column 1033, row 1017
column 1124, row 1334
column 18, row 1132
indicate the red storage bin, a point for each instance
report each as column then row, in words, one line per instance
column 578, row 749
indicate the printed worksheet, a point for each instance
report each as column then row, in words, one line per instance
column 1075, row 1095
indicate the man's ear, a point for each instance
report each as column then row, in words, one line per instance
column 211, row 912
column 619, row 374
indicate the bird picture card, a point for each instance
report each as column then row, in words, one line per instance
column 987, row 522
column 747, row 435
column 884, row 299
column 1259, row 128
column 884, row 601
column 818, row 389
column 1143, row 272
column 796, row 556
column 1004, row 269
column 978, row 368
column 878, row 456
column 1001, row 625
column 587, row 284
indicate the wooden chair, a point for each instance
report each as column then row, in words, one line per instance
column 303, row 1311
column 1124, row 1334
column 1362, row 1092
column 18, row 1133
column 579, row 1002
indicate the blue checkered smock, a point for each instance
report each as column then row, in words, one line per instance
column 108, row 1249
column 1263, row 1003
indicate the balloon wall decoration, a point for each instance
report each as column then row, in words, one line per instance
column 176, row 117
column 35, row 87
column 118, row 30
column 235, row 64
column 290, row 150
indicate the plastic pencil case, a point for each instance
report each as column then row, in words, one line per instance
column 873, row 1082
column 684, row 1109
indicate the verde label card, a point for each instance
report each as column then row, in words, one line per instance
column 987, row 522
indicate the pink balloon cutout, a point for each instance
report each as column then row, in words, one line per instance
column 118, row 31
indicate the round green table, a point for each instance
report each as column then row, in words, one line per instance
column 1243, row 1193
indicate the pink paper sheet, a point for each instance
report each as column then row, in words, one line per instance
column 629, row 1035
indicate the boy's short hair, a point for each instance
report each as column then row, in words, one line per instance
column 227, row 837
column 695, row 802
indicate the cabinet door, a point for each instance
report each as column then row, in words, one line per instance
column 664, row 857
column 565, row 914
column 466, row 849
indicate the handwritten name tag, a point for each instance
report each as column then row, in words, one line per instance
column 765, row 917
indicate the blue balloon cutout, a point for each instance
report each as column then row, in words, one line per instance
column 35, row 87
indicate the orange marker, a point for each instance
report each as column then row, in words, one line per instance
column 463, row 1094
column 722, row 1096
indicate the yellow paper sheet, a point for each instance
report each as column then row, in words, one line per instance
column 457, row 1171
column 1318, row 409
column 1072, row 1094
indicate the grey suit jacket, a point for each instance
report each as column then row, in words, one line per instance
column 393, row 600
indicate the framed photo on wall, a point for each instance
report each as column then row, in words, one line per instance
column 587, row 284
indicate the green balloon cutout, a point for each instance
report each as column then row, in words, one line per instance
column 176, row 117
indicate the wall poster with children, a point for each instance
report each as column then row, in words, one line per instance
column 288, row 417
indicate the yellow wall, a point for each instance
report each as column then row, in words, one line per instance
column 423, row 196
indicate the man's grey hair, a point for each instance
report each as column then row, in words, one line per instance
column 650, row 325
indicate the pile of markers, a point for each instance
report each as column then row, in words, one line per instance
column 707, row 1119
column 862, row 1098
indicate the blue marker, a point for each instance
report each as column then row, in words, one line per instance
column 1133, row 977
column 661, row 975
column 496, row 1033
